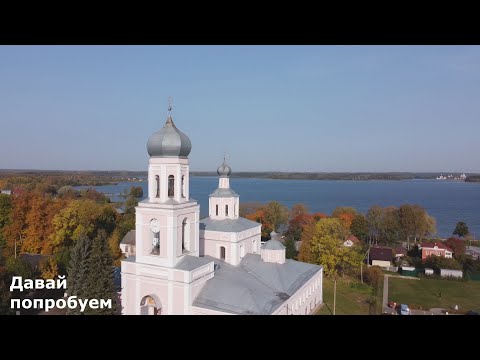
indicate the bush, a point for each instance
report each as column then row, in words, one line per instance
column 372, row 274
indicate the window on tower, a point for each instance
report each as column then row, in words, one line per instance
column 216, row 210
column 184, row 224
column 171, row 186
column 183, row 186
column 226, row 210
column 157, row 181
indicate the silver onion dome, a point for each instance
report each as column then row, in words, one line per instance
column 169, row 142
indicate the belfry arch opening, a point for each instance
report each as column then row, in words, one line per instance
column 148, row 306
column 171, row 186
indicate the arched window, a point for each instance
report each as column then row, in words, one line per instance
column 226, row 210
column 222, row 252
column 254, row 246
column 183, row 186
column 184, row 224
column 156, row 244
column 216, row 210
column 157, row 181
column 148, row 306
column 171, row 186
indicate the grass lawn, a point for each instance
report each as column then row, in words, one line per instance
column 351, row 298
column 425, row 293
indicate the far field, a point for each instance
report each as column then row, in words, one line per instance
column 435, row 293
column 352, row 298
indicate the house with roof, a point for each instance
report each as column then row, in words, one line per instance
column 435, row 248
column 351, row 241
column 180, row 264
column 381, row 256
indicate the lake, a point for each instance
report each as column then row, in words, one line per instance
column 447, row 201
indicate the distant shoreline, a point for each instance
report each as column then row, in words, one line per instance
column 115, row 176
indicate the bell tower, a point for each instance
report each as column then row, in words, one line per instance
column 167, row 221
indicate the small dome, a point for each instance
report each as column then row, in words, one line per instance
column 274, row 244
column 169, row 142
column 224, row 169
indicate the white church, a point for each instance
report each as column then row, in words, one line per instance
column 178, row 263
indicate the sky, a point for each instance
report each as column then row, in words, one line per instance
column 269, row 108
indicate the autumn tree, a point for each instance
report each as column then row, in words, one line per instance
column 48, row 268
column 326, row 247
column 16, row 227
column 359, row 227
column 389, row 225
column 298, row 210
column 346, row 214
column 5, row 209
column 461, row 229
column 114, row 245
column 304, row 253
column 276, row 214
column 457, row 245
column 67, row 192
column 82, row 217
column 248, row 208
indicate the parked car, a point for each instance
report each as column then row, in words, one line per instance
column 404, row 310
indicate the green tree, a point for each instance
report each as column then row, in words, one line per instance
column 374, row 219
column 78, row 271
column 290, row 250
column 100, row 275
column 415, row 222
column 389, row 225
column 439, row 262
column 136, row 191
column 276, row 214
column 461, row 229
column 359, row 227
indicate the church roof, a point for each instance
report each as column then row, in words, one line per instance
column 254, row 287
column 227, row 225
column 129, row 238
column 190, row 263
column 224, row 193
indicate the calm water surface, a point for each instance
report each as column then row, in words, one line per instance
column 447, row 201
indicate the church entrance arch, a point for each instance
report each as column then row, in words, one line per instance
column 150, row 306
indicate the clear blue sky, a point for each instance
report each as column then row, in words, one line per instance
column 280, row 108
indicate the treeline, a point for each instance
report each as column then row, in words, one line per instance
column 322, row 236
column 325, row 176
column 473, row 178
column 50, row 183
column 34, row 220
